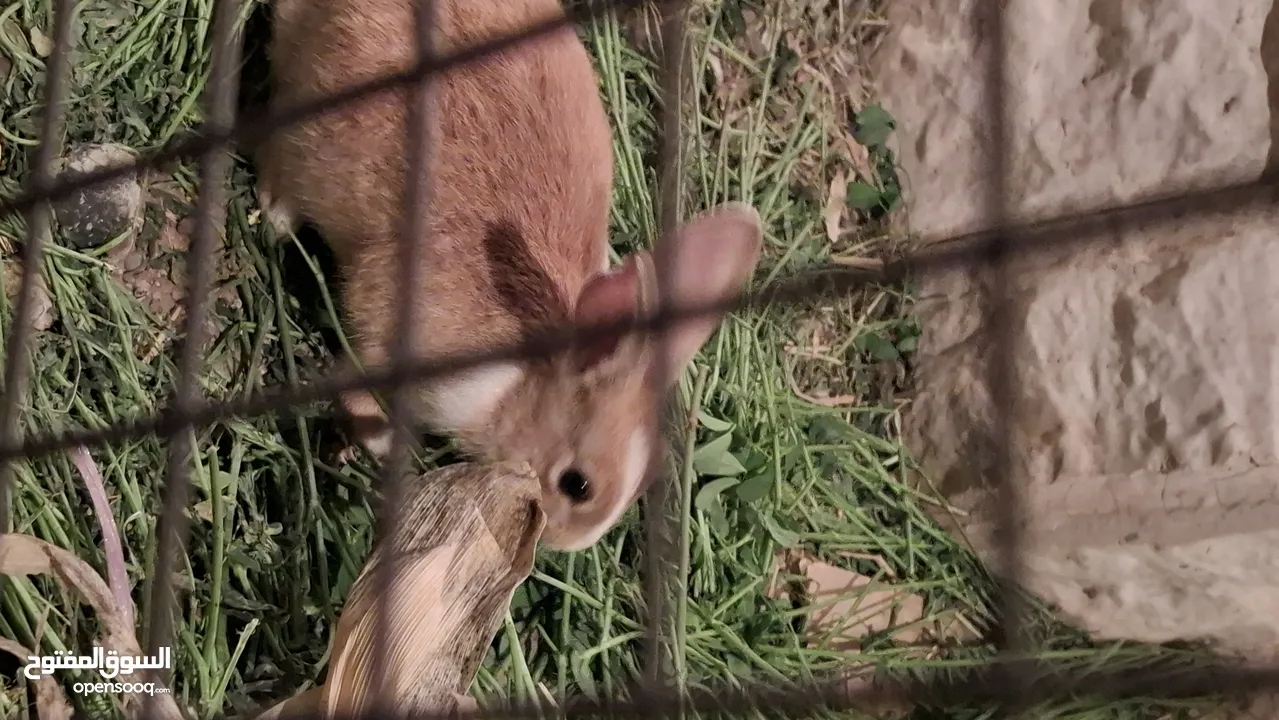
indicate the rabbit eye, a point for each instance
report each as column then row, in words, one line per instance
column 575, row 485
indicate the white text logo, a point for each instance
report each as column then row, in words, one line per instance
column 108, row 663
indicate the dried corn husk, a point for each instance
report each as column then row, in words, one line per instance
column 23, row 555
column 464, row 541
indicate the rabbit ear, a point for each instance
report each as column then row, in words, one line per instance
column 610, row 296
column 710, row 258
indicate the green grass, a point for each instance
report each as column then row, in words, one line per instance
column 278, row 536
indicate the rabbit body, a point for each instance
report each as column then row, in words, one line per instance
column 515, row 242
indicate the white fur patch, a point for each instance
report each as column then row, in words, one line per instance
column 467, row 399
column 637, row 456
column 379, row 444
column 277, row 213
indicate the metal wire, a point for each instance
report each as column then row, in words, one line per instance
column 413, row 225
column 973, row 688
column 659, row 510
column 251, row 131
column 1063, row 233
column 17, row 361
column 1001, row 370
column 215, row 167
column 1008, row 684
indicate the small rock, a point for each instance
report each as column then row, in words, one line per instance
column 97, row 214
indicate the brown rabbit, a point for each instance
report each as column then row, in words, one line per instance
column 516, row 242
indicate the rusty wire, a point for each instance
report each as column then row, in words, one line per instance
column 1001, row 370
column 1008, row 683
column 215, row 166
column 413, row 225
column 252, row 131
column 659, row 514
column 972, row 688
column 1064, row 232
column 17, row 362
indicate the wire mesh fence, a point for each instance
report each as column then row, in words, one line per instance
column 1009, row 683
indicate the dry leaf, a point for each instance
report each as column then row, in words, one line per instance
column 858, row 155
column 204, row 510
column 849, row 605
column 464, row 541
column 41, row 43
column 51, row 704
column 42, row 311
column 25, row 555
column 826, row 583
column 173, row 234
column 756, row 33
column 854, row 606
column 834, row 212
column 717, row 69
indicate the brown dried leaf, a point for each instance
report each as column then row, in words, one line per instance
column 857, row 155
column 833, row 215
column 25, row 555
column 51, row 704
column 819, row 580
column 172, row 235
column 755, row 33
column 464, row 541
column 42, row 311
column 42, row 44
column 854, row 606
column 850, row 605
column 732, row 85
column 717, row 70
column 204, row 510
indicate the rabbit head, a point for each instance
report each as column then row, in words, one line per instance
column 586, row 420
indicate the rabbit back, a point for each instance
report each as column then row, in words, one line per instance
column 521, row 168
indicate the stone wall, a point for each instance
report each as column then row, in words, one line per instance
column 1145, row 437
